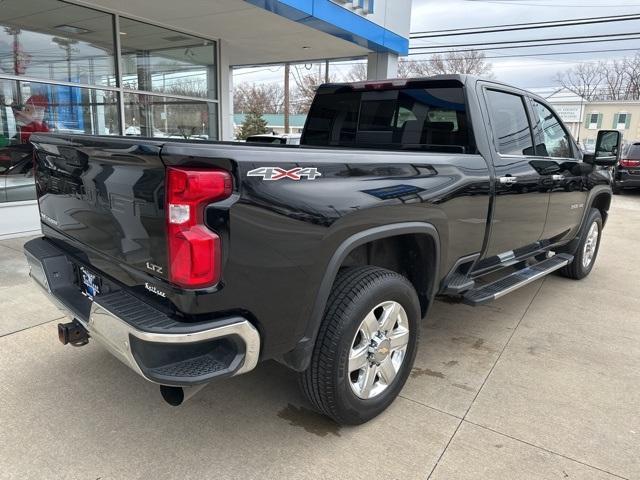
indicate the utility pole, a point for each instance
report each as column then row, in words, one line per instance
column 287, row 67
column 326, row 71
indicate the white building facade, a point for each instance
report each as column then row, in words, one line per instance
column 584, row 118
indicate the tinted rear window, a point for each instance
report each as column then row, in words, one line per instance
column 429, row 118
column 633, row 153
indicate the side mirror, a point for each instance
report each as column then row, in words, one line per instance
column 607, row 153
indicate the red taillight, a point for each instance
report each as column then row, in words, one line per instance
column 625, row 162
column 194, row 250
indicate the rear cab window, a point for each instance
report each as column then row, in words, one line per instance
column 427, row 115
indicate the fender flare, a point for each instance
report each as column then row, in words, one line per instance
column 572, row 245
column 300, row 356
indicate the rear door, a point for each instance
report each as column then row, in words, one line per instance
column 521, row 200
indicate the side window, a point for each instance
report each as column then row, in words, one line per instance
column 510, row 123
column 554, row 140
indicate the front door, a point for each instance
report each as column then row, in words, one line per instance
column 521, row 201
column 565, row 174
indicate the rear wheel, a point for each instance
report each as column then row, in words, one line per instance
column 366, row 345
column 587, row 251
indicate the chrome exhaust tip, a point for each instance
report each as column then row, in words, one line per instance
column 176, row 396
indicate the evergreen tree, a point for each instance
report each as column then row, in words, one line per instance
column 253, row 124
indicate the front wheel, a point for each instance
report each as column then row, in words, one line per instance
column 588, row 247
column 365, row 347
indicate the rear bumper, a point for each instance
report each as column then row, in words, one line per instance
column 625, row 179
column 152, row 344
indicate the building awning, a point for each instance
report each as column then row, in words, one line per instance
column 274, row 31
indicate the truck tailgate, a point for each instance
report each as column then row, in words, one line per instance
column 105, row 193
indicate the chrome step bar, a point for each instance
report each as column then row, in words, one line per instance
column 517, row 279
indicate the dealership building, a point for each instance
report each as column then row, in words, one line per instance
column 161, row 68
column 584, row 118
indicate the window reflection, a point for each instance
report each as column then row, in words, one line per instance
column 31, row 107
column 510, row 123
column 159, row 60
column 555, row 141
column 56, row 41
column 167, row 117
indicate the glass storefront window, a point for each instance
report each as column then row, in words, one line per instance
column 159, row 60
column 31, row 107
column 69, row 109
column 169, row 117
column 49, row 48
column 53, row 40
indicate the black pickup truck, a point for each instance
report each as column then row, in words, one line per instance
column 192, row 261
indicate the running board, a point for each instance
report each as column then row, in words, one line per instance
column 518, row 279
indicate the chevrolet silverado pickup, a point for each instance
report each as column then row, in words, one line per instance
column 194, row 261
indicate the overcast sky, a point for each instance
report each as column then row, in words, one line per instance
column 529, row 72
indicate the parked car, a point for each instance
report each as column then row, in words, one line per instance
column 277, row 139
column 627, row 172
column 193, row 261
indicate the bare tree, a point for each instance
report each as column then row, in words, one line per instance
column 261, row 98
column 358, row 72
column 307, row 82
column 614, row 79
column 585, row 80
column 188, row 88
column 471, row 63
column 632, row 69
column 608, row 80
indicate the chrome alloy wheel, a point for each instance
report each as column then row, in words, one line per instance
column 378, row 349
column 590, row 245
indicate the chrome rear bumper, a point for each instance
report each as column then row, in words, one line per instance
column 156, row 347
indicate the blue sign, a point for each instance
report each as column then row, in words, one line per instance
column 341, row 18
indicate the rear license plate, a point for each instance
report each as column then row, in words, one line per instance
column 91, row 284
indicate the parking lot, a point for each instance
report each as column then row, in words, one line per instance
column 544, row 383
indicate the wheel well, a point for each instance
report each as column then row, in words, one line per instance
column 602, row 202
column 411, row 255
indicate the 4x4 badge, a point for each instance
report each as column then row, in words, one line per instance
column 276, row 173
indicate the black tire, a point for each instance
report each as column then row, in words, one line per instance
column 577, row 269
column 327, row 381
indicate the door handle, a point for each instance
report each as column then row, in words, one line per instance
column 557, row 178
column 508, row 180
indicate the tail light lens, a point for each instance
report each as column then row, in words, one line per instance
column 194, row 250
column 625, row 162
